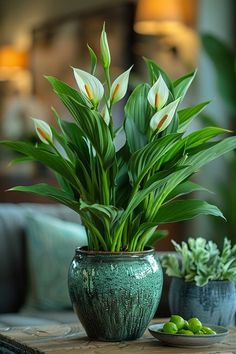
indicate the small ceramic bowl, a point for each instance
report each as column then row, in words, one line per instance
column 181, row 340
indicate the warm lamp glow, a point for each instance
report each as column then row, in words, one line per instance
column 11, row 58
column 152, row 15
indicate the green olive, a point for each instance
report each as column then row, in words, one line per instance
column 170, row 327
column 178, row 320
column 194, row 324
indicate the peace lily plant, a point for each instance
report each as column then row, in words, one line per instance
column 122, row 192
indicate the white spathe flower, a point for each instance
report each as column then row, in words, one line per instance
column 158, row 94
column 162, row 118
column 89, row 85
column 43, row 131
column 105, row 115
column 119, row 86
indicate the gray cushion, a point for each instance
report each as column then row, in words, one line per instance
column 13, row 268
column 51, row 245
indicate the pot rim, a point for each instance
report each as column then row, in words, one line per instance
column 209, row 281
column 83, row 250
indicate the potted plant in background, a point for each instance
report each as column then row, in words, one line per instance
column 122, row 192
column 223, row 58
column 203, row 280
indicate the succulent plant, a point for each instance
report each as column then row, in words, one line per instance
column 200, row 261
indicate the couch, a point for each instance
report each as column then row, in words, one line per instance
column 14, row 269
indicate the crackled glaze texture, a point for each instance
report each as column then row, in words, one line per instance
column 115, row 295
column 214, row 303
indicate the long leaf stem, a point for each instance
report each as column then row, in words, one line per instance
column 107, row 232
column 104, row 184
column 117, row 237
column 144, row 238
column 93, row 172
column 95, row 234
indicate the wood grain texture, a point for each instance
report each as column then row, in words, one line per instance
column 71, row 339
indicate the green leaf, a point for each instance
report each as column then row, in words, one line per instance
column 20, row 160
column 218, row 149
column 193, row 140
column 167, row 184
column 184, row 210
column 62, row 141
column 135, row 139
column 64, row 138
column 182, row 84
column 49, row 191
column 93, row 127
column 123, row 187
column 183, row 189
column 199, row 137
column 194, row 163
column 49, row 159
column 97, row 240
column 93, row 60
column 154, row 71
column 76, row 141
column 156, row 236
column 137, row 117
column 101, row 211
column 186, row 115
column 66, row 186
column 139, row 196
column 144, row 159
column 57, row 118
column 61, row 88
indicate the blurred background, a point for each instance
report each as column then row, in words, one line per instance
column 43, row 37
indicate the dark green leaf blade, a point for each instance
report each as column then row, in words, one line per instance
column 184, row 188
column 184, row 210
column 154, row 71
column 144, row 159
column 44, row 189
column 93, row 59
column 93, row 128
column 186, row 115
column 193, row 140
column 49, row 159
column 101, row 211
column 182, row 84
column 61, row 88
column 137, row 117
column 194, row 163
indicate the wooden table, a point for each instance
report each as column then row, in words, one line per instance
column 71, row 339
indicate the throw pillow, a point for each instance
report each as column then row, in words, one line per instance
column 51, row 245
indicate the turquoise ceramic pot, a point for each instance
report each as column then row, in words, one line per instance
column 115, row 295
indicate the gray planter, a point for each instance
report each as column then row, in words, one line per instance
column 214, row 303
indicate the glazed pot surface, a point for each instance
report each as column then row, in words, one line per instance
column 115, row 295
column 214, row 303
